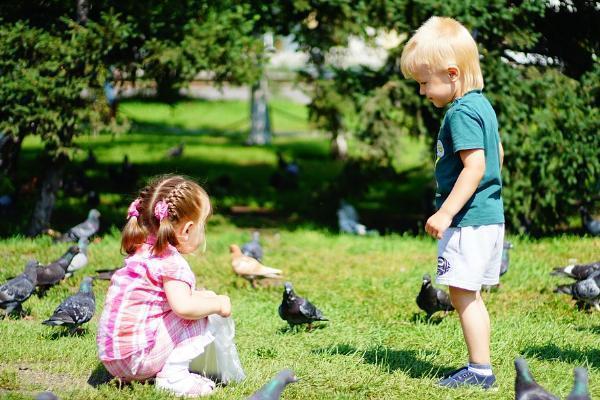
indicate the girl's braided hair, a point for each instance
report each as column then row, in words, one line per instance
column 185, row 201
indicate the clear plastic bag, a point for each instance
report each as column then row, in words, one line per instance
column 220, row 360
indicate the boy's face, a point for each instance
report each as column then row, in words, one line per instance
column 439, row 87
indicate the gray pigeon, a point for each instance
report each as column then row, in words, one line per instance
column 586, row 292
column 18, row 289
column 80, row 259
column 297, row 310
column 105, row 274
column 580, row 388
column 272, row 389
column 53, row 273
column 83, row 230
column 526, row 388
column 591, row 225
column 505, row 257
column 431, row 299
column 175, row 152
column 253, row 248
column 46, row 396
column 578, row 272
column 76, row 309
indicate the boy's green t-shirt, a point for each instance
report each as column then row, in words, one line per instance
column 470, row 123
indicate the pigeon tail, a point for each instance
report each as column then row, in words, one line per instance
column 59, row 318
column 565, row 289
column 563, row 271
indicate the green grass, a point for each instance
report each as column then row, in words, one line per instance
column 375, row 346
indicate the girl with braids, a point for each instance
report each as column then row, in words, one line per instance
column 155, row 320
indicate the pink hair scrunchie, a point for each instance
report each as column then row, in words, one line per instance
column 161, row 210
column 133, row 211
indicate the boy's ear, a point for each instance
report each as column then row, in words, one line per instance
column 453, row 73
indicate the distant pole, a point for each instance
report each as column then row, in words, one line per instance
column 260, row 118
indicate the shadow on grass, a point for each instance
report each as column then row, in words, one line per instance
column 566, row 354
column 390, row 360
column 61, row 332
column 296, row 329
column 421, row 318
column 99, row 376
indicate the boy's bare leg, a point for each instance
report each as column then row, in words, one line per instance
column 475, row 323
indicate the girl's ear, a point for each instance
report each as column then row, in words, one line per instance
column 453, row 73
column 185, row 229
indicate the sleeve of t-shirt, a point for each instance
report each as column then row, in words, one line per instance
column 176, row 267
column 466, row 130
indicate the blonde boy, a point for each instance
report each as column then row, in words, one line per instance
column 469, row 224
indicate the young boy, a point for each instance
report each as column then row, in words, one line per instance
column 443, row 58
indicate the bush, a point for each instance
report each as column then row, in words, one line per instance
column 549, row 127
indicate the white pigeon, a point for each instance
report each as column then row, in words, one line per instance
column 81, row 259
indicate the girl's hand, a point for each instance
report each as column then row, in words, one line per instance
column 438, row 223
column 225, row 310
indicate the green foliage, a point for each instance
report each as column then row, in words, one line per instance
column 549, row 127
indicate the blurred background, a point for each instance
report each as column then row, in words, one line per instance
column 283, row 109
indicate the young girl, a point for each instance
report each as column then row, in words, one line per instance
column 154, row 320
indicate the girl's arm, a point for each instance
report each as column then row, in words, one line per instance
column 192, row 304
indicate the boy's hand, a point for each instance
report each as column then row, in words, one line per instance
column 438, row 223
column 225, row 306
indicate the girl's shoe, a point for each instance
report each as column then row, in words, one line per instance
column 186, row 384
column 464, row 377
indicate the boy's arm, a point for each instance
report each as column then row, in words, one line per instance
column 473, row 170
column 193, row 304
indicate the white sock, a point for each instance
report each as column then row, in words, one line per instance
column 481, row 369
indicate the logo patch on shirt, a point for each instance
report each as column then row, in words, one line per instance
column 443, row 266
column 440, row 149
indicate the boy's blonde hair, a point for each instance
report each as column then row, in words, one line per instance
column 439, row 43
column 185, row 200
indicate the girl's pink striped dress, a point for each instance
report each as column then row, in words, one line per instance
column 138, row 330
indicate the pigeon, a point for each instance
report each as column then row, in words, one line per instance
column 253, row 248
column 250, row 268
column 287, row 174
column 80, row 259
column 272, row 389
column 592, row 225
column 53, row 273
column 83, row 230
column 105, row 274
column 505, row 257
column 46, row 396
column 586, row 292
column 526, row 388
column 503, row 265
column 175, row 152
column 125, row 176
column 297, row 310
column 580, row 388
column 431, row 299
column 76, row 309
column 90, row 162
column 578, row 272
column 93, row 199
column 18, row 289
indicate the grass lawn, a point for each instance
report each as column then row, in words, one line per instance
column 375, row 346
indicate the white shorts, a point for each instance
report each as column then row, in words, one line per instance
column 470, row 256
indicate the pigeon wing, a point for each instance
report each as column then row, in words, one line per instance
column 310, row 311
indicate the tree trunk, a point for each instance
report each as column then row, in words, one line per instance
column 339, row 146
column 10, row 148
column 42, row 212
column 260, row 130
column 83, row 9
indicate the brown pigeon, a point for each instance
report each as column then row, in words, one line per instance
column 250, row 268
